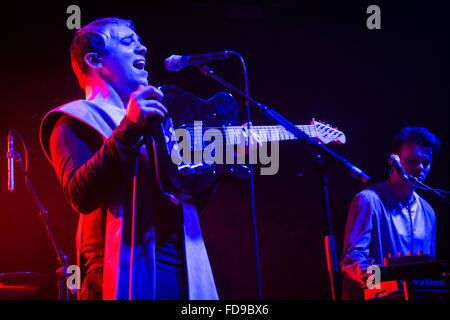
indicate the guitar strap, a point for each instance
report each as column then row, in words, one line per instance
column 200, row 278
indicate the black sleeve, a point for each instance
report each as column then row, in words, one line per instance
column 88, row 167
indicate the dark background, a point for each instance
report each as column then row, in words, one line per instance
column 314, row 59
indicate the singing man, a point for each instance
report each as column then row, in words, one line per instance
column 132, row 243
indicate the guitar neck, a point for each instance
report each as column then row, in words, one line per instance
column 267, row 133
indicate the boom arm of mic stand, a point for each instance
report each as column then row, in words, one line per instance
column 442, row 194
column 355, row 172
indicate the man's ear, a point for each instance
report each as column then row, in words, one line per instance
column 93, row 60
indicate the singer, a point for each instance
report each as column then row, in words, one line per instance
column 131, row 242
column 390, row 217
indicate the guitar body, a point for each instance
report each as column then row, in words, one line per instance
column 220, row 110
column 192, row 175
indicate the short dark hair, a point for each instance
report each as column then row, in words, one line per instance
column 421, row 136
column 93, row 37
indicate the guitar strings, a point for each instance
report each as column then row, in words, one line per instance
column 238, row 130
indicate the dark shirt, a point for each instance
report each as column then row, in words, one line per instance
column 88, row 169
column 73, row 144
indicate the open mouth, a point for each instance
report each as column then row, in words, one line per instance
column 139, row 64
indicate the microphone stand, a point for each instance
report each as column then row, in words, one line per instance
column 320, row 165
column 61, row 272
column 441, row 194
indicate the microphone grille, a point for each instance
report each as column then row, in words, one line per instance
column 172, row 63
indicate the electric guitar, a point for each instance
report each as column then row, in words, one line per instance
column 192, row 122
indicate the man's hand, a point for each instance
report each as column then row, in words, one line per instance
column 255, row 140
column 144, row 103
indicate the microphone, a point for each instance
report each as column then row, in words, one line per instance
column 176, row 62
column 10, row 157
column 395, row 162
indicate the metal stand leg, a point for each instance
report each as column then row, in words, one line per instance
column 330, row 246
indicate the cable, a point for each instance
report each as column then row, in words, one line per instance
column 43, row 213
column 208, row 72
column 133, row 227
column 252, row 182
column 25, row 170
column 13, row 131
column 420, row 185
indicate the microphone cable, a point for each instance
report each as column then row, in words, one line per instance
column 43, row 213
column 416, row 183
column 252, row 181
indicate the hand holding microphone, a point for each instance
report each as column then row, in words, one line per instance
column 145, row 103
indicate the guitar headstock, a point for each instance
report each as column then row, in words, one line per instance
column 326, row 133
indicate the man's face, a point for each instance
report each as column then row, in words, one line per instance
column 416, row 160
column 123, row 62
